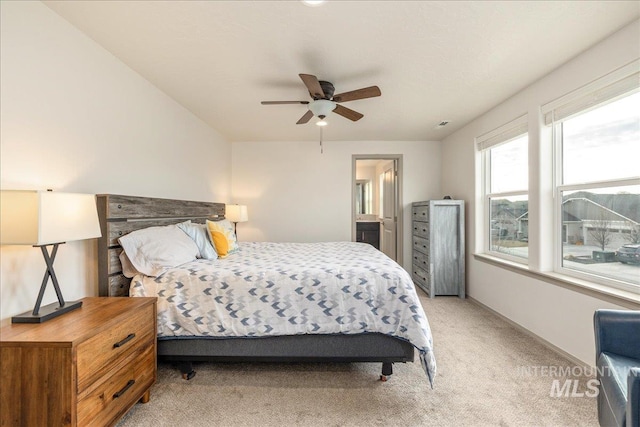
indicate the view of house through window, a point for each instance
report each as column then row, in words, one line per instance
column 596, row 227
column 600, row 191
column 509, row 222
column 507, row 199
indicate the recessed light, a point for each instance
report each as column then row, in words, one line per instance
column 313, row 3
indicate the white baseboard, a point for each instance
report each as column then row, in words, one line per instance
column 538, row 338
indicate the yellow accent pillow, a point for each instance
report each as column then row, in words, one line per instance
column 220, row 242
column 222, row 236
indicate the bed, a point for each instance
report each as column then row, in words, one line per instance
column 261, row 278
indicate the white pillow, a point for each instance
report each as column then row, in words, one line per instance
column 199, row 234
column 153, row 250
column 128, row 270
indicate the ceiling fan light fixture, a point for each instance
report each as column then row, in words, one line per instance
column 322, row 107
column 321, row 122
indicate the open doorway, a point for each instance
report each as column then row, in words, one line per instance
column 377, row 202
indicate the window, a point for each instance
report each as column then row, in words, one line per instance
column 584, row 193
column 505, row 175
column 598, row 191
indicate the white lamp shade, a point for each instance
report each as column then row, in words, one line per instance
column 236, row 213
column 46, row 217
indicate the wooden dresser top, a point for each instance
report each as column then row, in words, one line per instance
column 69, row 329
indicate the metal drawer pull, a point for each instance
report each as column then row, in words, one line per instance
column 124, row 341
column 124, row 389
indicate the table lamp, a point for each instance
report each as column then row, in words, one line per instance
column 43, row 219
column 236, row 214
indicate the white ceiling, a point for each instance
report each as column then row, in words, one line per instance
column 433, row 61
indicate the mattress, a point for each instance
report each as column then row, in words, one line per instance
column 276, row 289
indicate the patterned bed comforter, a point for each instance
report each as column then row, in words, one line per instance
column 268, row 289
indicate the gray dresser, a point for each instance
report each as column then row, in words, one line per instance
column 438, row 247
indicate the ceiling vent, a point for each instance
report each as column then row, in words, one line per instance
column 442, row 124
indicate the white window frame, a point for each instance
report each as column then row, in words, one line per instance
column 609, row 88
column 506, row 133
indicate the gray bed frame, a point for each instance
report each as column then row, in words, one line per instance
column 123, row 214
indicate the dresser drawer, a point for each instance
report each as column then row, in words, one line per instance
column 117, row 392
column 421, row 229
column 421, row 260
column 420, row 213
column 420, row 244
column 419, row 275
column 105, row 351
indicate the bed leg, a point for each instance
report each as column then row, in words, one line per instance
column 186, row 368
column 387, row 371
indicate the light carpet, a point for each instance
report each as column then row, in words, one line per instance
column 489, row 374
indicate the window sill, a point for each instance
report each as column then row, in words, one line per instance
column 616, row 296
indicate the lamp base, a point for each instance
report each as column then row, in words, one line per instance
column 46, row 312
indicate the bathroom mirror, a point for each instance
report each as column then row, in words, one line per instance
column 363, row 197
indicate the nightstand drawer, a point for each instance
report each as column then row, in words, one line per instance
column 104, row 351
column 116, row 392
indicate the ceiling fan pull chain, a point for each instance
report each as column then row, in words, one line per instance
column 321, row 147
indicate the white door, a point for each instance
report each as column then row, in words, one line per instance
column 389, row 216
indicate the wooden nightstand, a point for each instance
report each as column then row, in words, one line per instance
column 86, row 367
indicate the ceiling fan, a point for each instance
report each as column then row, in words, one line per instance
column 324, row 101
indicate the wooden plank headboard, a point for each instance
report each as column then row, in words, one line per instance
column 120, row 215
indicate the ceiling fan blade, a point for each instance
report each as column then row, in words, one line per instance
column 348, row 113
column 367, row 92
column 283, row 102
column 304, row 119
column 312, row 83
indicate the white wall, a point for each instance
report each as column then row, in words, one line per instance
column 296, row 194
column 74, row 118
column 561, row 316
